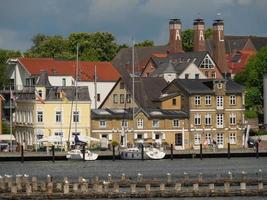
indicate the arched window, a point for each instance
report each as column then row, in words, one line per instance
column 40, row 93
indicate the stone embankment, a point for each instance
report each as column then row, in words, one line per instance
column 25, row 187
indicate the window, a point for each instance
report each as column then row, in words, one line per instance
column 175, row 123
column 207, row 63
column 102, row 123
column 140, row 123
column 121, row 98
column 98, row 97
column 75, row 133
column 39, row 116
column 207, row 74
column 75, row 116
column 232, row 119
column 219, row 85
column 40, row 93
column 220, row 139
column 58, row 116
column 139, row 136
column 197, row 118
column 219, row 102
column 197, row 139
column 63, row 82
column 197, row 100
column 121, row 85
column 186, row 76
column 128, row 98
column 219, row 120
column 213, row 75
column 208, row 138
column 232, row 100
column 59, row 134
column 115, row 98
column 208, row 100
column 174, row 102
column 232, row 138
column 155, row 123
column 124, row 123
column 208, row 119
column 157, row 136
column 196, row 76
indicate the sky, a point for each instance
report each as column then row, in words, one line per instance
column 20, row 20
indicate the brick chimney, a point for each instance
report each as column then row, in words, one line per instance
column 175, row 40
column 199, row 37
column 219, row 48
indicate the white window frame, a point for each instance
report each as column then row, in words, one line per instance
column 59, row 133
column 40, row 116
column 232, row 137
column 176, row 123
column 232, row 119
column 219, row 120
column 208, row 119
column 207, row 63
column 219, row 102
column 124, row 123
column 58, row 116
column 208, row 138
column 197, row 139
column 155, row 123
column 232, row 100
column 197, row 100
column 220, row 139
column 102, row 123
column 208, row 100
column 76, row 116
column 197, row 119
column 140, row 123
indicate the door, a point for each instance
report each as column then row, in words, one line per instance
column 220, row 140
column 179, row 141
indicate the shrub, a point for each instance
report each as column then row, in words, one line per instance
column 262, row 133
column 251, row 114
column 115, row 143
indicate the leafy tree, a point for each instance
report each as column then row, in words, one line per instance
column 252, row 77
column 4, row 56
column 145, row 43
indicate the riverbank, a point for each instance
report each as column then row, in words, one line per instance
column 107, row 155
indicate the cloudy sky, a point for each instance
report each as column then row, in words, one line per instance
column 143, row 19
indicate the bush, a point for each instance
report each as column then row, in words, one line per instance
column 251, row 114
column 262, row 133
column 114, row 143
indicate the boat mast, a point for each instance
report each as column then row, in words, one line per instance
column 95, row 79
column 133, row 43
column 10, row 117
column 76, row 83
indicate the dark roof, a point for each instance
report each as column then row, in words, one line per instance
column 128, row 113
column 43, row 80
column 52, row 93
column 258, row 42
column 205, row 86
column 170, row 67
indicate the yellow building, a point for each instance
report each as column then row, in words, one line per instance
column 47, row 115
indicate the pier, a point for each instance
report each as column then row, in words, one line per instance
column 197, row 185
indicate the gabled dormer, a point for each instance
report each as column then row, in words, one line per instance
column 219, row 87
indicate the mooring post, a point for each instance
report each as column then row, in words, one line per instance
column 19, row 182
column 2, row 183
column 22, row 153
column 109, row 178
column 113, row 152
column 28, row 188
column 139, row 177
column 260, row 182
column 75, row 187
column 50, row 188
column 148, row 188
column 226, row 187
column 178, row 187
column 200, row 177
column 195, row 187
column 34, row 184
column 116, row 188
column 230, row 176
column 211, row 187
column 169, row 178
column 171, row 151
column 53, row 153
column 66, row 187
column 257, row 150
column 228, row 151
column 14, row 189
column 162, row 187
column 83, row 152
column 123, row 178
column 133, row 188
column 201, row 156
column 142, row 151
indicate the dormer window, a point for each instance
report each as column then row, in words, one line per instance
column 40, row 93
column 219, row 86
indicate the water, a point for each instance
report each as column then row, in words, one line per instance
column 211, row 168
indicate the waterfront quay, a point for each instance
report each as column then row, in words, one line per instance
column 152, row 178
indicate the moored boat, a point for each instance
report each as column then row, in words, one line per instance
column 136, row 153
column 76, row 154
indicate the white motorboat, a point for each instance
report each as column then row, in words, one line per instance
column 76, row 154
column 136, row 153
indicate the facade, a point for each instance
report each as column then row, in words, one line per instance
column 99, row 77
column 1, row 112
column 48, row 115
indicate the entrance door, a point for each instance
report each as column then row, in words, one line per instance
column 178, row 140
column 220, row 140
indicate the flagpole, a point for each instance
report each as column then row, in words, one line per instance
column 10, row 113
column 95, row 78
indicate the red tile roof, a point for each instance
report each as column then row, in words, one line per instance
column 236, row 67
column 104, row 70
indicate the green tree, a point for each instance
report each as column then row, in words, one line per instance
column 4, row 56
column 252, row 77
column 145, row 43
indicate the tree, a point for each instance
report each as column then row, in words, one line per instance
column 252, row 77
column 4, row 56
column 145, row 43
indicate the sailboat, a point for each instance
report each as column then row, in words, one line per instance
column 135, row 153
column 77, row 153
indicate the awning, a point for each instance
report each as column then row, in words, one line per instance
column 7, row 137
